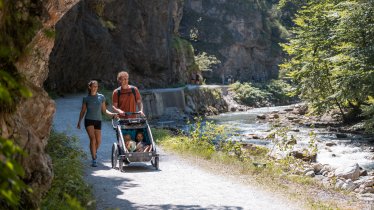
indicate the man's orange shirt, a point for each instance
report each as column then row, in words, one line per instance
column 127, row 102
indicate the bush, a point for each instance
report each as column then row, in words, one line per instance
column 69, row 190
column 11, row 183
column 368, row 113
column 249, row 95
column 274, row 92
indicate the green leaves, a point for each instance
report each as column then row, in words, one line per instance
column 275, row 91
column 69, row 190
column 331, row 54
column 11, row 184
column 11, row 91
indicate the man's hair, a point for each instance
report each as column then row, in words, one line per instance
column 121, row 73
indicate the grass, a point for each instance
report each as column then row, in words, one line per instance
column 232, row 158
column 69, row 190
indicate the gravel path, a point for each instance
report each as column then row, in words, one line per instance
column 177, row 185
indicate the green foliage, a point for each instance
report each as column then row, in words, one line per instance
column 205, row 61
column 284, row 143
column 331, row 54
column 50, row 32
column 18, row 25
column 99, row 7
column 11, row 91
column 201, row 139
column 249, row 95
column 11, row 183
column 69, row 190
column 280, row 91
column 275, row 92
column 368, row 113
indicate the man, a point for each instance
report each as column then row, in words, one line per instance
column 126, row 98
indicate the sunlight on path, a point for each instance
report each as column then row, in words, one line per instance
column 178, row 185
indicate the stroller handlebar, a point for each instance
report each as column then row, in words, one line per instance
column 128, row 121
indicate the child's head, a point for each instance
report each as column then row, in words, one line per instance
column 127, row 137
column 139, row 136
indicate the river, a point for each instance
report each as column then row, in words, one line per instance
column 344, row 150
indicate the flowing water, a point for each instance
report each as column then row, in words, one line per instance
column 344, row 151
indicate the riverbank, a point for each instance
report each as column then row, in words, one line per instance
column 265, row 173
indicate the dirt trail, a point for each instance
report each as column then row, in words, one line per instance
column 179, row 184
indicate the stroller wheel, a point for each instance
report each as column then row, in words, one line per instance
column 156, row 163
column 114, row 155
column 120, row 165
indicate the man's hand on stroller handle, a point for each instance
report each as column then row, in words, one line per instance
column 131, row 113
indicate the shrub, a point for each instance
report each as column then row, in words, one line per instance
column 11, row 184
column 276, row 92
column 249, row 95
column 69, row 190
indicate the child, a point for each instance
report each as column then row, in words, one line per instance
column 130, row 144
column 141, row 146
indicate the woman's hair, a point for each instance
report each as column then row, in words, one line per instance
column 90, row 84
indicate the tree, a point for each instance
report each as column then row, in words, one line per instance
column 205, row 61
column 331, row 55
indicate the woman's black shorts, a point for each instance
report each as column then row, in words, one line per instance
column 95, row 123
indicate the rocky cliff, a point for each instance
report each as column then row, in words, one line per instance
column 98, row 38
column 31, row 120
column 242, row 34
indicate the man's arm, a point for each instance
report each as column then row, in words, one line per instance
column 139, row 103
column 140, row 107
column 115, row 103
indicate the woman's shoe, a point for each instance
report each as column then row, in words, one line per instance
column 94, row 163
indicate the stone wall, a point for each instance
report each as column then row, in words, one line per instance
column 179, row 103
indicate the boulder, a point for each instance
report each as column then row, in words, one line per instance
column 310, row 174
column 349, row 185
column 341, row 135
column 261, row 116
column 367, row 181
column 317, row 167
column 330, row 144
column 305, row 157
column 351, row 172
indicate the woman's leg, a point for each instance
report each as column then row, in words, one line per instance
column 98, row 140
column 91, row 135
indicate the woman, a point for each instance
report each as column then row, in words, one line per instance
column 93, row 106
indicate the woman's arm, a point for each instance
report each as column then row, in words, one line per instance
column 104, row 110
column 81, row 114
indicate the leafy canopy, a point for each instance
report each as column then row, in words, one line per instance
column 331, row 54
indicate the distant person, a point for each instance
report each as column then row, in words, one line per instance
column 141, row 145
column 229, row 79
column 93, row 106
column 129, row 143
column 126, row 98
column 193, row 78
column 198, row 79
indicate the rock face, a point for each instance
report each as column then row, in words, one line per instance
column 97, row 39
column 241, row 34
column 205, row 101
column 29, row 126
